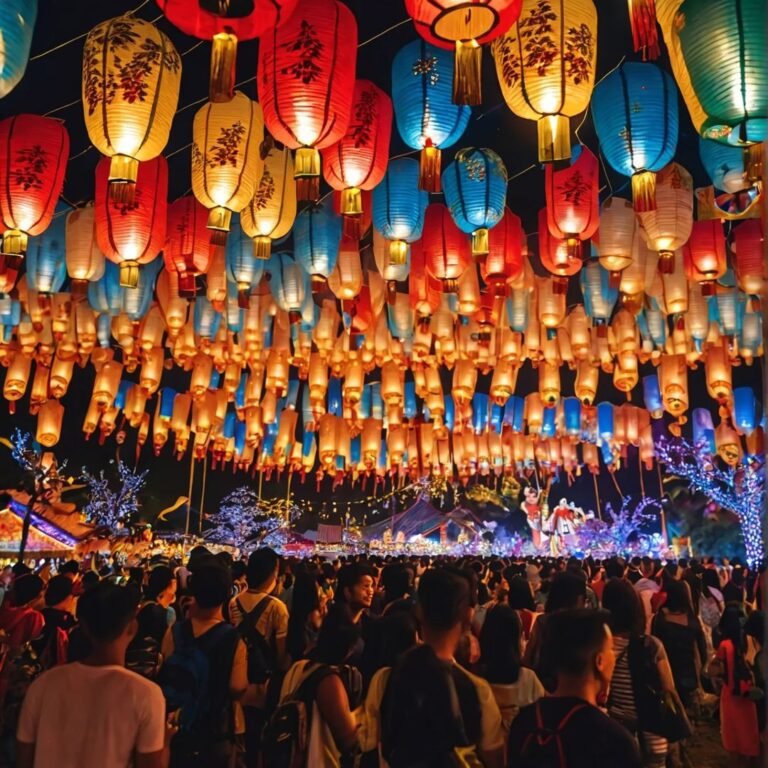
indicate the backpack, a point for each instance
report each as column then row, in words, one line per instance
column 710, row 612
column 261, row 657
column 285, row 741
column 548, row 742
column 143, row 654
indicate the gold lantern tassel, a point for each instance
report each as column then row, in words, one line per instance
column 307, row 174
column 123, row 171
column 262, row 247
column 429, row 168
column 467, row 73
column 644, row 191
column 398, row 251
column 219, row 220
column 554, row 132
column 480, row 245
column 223, row 59
column 129, row 274
column 351, row 211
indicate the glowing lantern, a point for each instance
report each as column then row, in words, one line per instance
column 16, row 379
column 346, row 280
column 272, row 210
column 748, row 251
column 426, row 117
column 635, row 114
column 445, row 247
column 718, row 370
column 243, row 268
column 746, row 410
column 46, row 263
column 704, row 254
column 728, row 444
column 85, row 262
column 572, row 200
column 475, row 188
column 187, row 250
column 358, row 160
column 546, row 68
column 306, row 83
column 131, row 79
column 226, row 163
column 549, row 383
column 317, row 235
column 673, row 383
column 668, row 226
column 17, row 22
column 599, row 296
column 288, row 283
column 130, row 234
column 617, row 231
column 49, row 420
column 727, row 166
column 556, row 256
column 550, row 303
column 504, row 262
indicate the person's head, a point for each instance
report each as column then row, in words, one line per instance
column 239, row 572
column 500, row 645
column 58, row 593
column 738, row 576
column 672, row 572
column 533, row 575
column 678, row 597
column 210, row 585
column 710, row 580
column 646, row 568
column 90, row 580
column 26, row 590
column 635, row 563
column 396, row 633
column 107, row 614
column 622, row 601
column 732, row 625
column 615, row 568
column 520, row 596
column 396, row 581
column 445, row 600
column 136, row 575
column 567, row 590
column 337, row 638
column 161, row 586
column 198, row 554
column 356, row 585
column 263, row 568
column 20, row 569
column 70, row 569
column 755, row 627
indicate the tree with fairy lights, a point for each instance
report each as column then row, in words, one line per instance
column 113, row 505
column 739, row 488
column 622, row 531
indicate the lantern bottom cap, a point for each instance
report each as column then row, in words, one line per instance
column 129, row 274
column 554, row 134
column 429, row 168
column 15, row 242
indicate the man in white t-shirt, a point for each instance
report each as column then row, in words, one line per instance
column 96, row 714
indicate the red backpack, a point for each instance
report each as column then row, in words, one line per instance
column 546, row 744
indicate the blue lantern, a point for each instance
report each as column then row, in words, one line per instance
column 317, row 236
column 422, row 95
column 635, row 114
column 514, row 413
column 605, row 421
column 746, row 410
column 207, row 319
column 289, row 283
column 17, row 22
column 232, row 310
column 480, row 403
column 549, row 422
column 572, row 415
column 46, row 262
column 652, row 396
column 475, row 187
column 599, row 295
column 136, row 301
column 410, row 407
column 106, row 296
column 724, row 165
column 243, row 268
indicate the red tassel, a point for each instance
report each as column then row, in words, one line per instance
column 645, row 33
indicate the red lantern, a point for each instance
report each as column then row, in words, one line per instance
column 704, row 254
column 423, row 289
column 306, row 83
column 33, row 158
column 130, row 234
column 187, row 249
column 748, row 251
column 556, row 256
column 573, row 207
column 504, row 262
column 359, row 160
column 463, row 25
column 446, row 248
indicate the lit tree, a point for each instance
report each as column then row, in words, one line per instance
column 624, row 527
column 110, row 508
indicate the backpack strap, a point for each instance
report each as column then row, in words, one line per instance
column 544, row 735
column 253, row 616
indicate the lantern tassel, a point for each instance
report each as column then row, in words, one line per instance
column 129, row 274
column 123, row 172
column 554, row 132
column 262, row 247
column 480, row 246
column 467, row 73
column 666, row 262
column 219, row 220
column 753, row 162
column 187, row 285
column 352, row 227
column 307, row 173
column 645, row 33
column 644, row 191
column 398, row 251
column 429, row 168
column 223, row 59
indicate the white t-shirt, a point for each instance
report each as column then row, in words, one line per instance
column 512, row 697
column 80, row 716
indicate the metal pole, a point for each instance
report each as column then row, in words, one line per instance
column 202, row 495
column 189, row 492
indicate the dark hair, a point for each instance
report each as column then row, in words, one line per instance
column 615, row 568
column 71, row 566
column 564, row 592
column 678, row 597
column 26, row 588
column 520, row 595
column 160, row 578
column 349, row 576
column 106, row 610
column 20, row 569
column 570, row 640
column 500, row 645
column 392, row 636
column 444, row 596
column 59, row 588
column 396, row 581
column 305, row 599
column 261, row 565
column 136, row 575
column 710, row 580
column 90, row 580
column 732, row 628
column 210, row 584
column 337, row 638
column 197, row 555
column 239, row 569
column 755, row 626
column 625, row 606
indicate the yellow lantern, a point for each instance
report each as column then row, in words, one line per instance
column 534, row 413
column 587, row 376
column 503, row 382
column 728, row 444
column 673, row 382
column 718, row 370
column 675, row 288
column 49, row 420
column 151, row 370
column 17, row 379
column 549, row 383
column 346, row 280
column 392, row 385
column 106, row 384
column 61, row 375
column 464, row 381
column 546, row 68
column 226, row 162
column 617, row 232
column 131, row 79
column 551, row 303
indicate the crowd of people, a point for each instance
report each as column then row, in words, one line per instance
column 393, row 661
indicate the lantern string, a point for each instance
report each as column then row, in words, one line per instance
column 384, row 32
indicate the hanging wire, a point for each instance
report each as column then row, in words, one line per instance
column 586, row 111
column 383, row 32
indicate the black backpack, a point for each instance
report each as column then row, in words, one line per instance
column 261, row 655
column 544, row 745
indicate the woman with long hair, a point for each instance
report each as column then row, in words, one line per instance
column 306, row 615
column 520, row 599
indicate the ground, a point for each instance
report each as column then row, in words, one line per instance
column 705, row 748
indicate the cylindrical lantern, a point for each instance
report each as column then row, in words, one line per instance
column 504, row 262
column 634, row 110
column 673, row 383
column 243, row 268
column 546, row 68
column 556, row 255
column 550, row 303
column 131, row 79
column 130, row 234
column 446, row 249
column 549, row 383
column 426, row 117
column 718, row 373
column 306, row 76
column 475, row 188
column 748, row 248
column 288, row 283
column 599, row 296
column 187, row 249
column 49, row 421
column 226, row 163
column 85, row 261
column 17, row 22
column 46, row 262
column 317, row 236
column 704, row 254
column 725, row 165
column 346, row 280
column 617, row 231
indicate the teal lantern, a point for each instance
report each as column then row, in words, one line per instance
column 317, row 237
column 17, row 22
column 46, row 261
column 243, row 266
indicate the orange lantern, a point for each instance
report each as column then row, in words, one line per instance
column 748, row 246
column 187, row 249
column 85, row 262
column 49, row 421
column 556, row 256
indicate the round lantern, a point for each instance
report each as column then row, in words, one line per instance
column 244, row 269
column 465, row 27
column 635, row 114
column 504, row 262
column 46, row 262
column 748, row 244
column 17, row 22
column 556, row 256
column 704, row 254
column 132, row 233
column 226, row 164
column 187, row 249
column 272, row 210
column 445, row 247
column 725, row 165
column 617, row 231
column 317, row 235
column 546, row 68
column 668, row 226
column 306, row 82
column 131, row 79
column 358, row 160
column 426, row 117
column 475, row 187
column 85, row 262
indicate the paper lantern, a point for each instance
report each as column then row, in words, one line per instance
column 346, row 280
column 645, row 36
column 725, row 165
column 475, row 188
column 599, row 296
column 46, row 262
column 226, row 163
column 317, row 235
column 85, row 262
column 272, row 210
column 306, row 76
column 549, row 383
column 704, row 254
column 718, row 373
column 634, row 110
column 723, row 47
column 746, row 410
column 17, row 23
column 617, row 231
column 728, row 444
column 464, row 27
column 673, row 384
column 358, row 160
column 244, row 269
column 748, row 245
column 504, row 262
column 187, row 249
column 546, row 68
column 131, row 79
column 668, row 226
column 557, row 257
column 572, row 200
column 288, row 283
column 426, row 117
column 445, row 247
column 49, row 421
column 550, row 303
column 132, row 233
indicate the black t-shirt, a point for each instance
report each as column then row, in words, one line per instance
column 590, row 739
column 153, row 622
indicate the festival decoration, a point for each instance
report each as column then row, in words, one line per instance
column 46, row 262
column 187, row 250
column 617, row 234
column 131, row 80
column 503, row 265
column 704, row 255
column 318, row 237
column 445, row 247
column 243, row 268
column 747, row 246
column 645, row 36
column 85, row 262
column 113, row 507
column 17, row 22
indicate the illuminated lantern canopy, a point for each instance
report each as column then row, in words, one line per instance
column 17, row 22
column 272, row 210
column 617, row 233
column 398, row 207
column 635, row 114
column 748, row 247
column 130, row 234
column 546, row 68
column 85, row 262
column 555, row 255
column 224, row 23
column 704, row 254
column 131, row 78
column 599, row 296
column 317, row 236
column 464, row 27
column 673, row 384
column 306, row 83
column 188, row 249
column 426, row 117
column 359, row 160
column 668, row 226
column 475, row 187
column 572, row 200
column 445, row 247
column 504, row 262
column 226, row 164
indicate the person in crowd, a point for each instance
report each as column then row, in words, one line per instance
column 239, row 577
column 754, row 629
column 307, row 612
column 59, row 616
column 734, row 591
column 647, row 587
column 520, row 599
column 670, row 573
column 397, row 585
column 567, row 728
column 356, row 586
column 711, row 606
column 634, row 574
column 95, row 713
column 20, row 619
